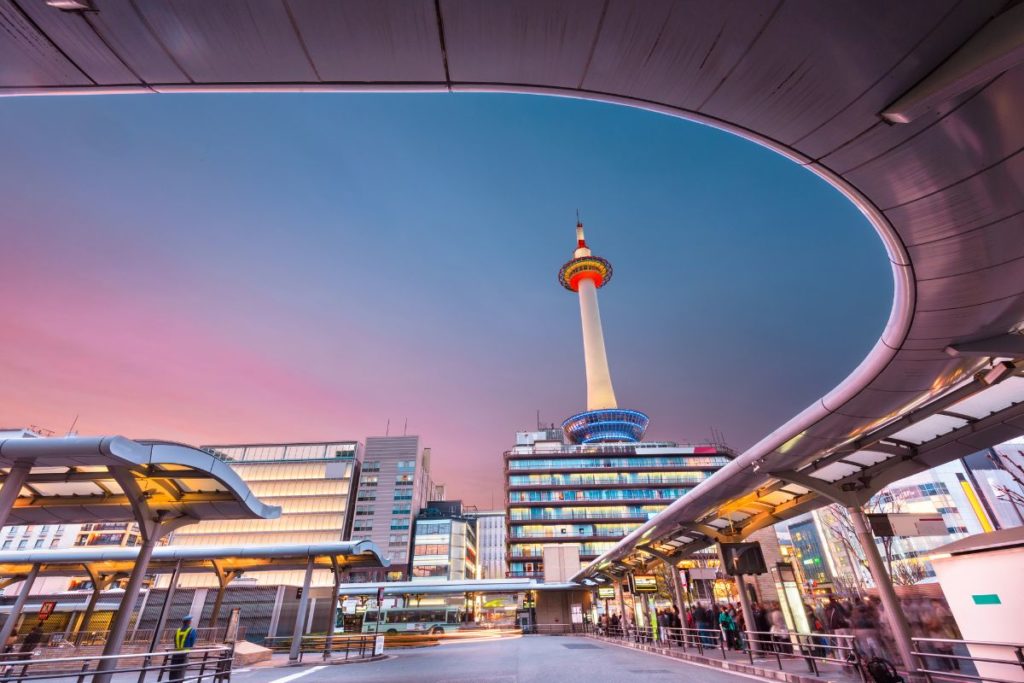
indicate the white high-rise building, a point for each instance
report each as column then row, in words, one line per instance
column 490, row 542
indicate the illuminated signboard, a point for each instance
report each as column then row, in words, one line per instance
column 606, row 592
column 645, row 583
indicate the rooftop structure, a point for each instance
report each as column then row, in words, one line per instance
column 603, row 420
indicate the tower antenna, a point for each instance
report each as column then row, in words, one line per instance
column 387, row 430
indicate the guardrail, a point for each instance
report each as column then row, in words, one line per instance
column 206, row 634
column 938, row 660
column 339, row 646
column 942, row 659
column 197, row 665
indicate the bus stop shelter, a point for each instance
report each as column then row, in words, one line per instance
column 104, row 565
column 160, row 485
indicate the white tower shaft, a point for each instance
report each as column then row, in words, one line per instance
column 599, row 380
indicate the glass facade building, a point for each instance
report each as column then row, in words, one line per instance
column 591, row 495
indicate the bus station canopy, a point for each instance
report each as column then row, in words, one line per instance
column 105, row 478
column 194, row 559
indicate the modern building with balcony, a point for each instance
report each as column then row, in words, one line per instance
column 591, row 495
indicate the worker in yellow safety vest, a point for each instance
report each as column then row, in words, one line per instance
column 184, row 640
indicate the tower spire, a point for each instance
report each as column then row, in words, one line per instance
column 603, row 421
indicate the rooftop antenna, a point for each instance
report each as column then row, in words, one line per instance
column 405, row 429
column 71, row 429
column 387, row 430
column 538, row 419
column 578, row 221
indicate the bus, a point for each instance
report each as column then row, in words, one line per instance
column 435, row 620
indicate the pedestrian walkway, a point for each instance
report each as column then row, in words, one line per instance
column 771, row 666
column 525, row 659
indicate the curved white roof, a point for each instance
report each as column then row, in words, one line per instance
column 76, row 480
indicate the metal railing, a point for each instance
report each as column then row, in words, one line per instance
column 339, row 646
column 197, row 665
column 944, row 659
column 141, row 636
column 939, row 660
column 559, row 629
column 812, row 648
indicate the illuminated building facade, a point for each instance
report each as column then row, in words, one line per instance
column 591, row 495
column 313, row 483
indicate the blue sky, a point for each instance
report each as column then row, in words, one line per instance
column 217, row 268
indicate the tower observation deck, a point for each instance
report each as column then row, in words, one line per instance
column 603, row 421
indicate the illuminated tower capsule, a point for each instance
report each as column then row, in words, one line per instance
column 603, row 420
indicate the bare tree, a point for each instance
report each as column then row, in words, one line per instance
column 837, row 521
column 1015, row 497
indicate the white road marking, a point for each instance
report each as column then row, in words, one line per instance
column 292, row 677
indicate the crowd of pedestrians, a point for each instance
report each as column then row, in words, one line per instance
column 858, row 622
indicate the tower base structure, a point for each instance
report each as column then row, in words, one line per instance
column 606, row 425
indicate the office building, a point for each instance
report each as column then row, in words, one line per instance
column 490, row 541
column 592, row 494
column 394, row 485
column 313, row 483
column 445, row 543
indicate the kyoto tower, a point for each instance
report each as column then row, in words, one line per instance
column 603, row 421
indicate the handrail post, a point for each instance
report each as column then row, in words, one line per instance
column 750, row 650
column 721, row 642
column 202, row 666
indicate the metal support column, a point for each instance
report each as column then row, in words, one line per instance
column 300, row 617
column 890, row 603
column 123, row 615
column 13, row 482
column 623, row 620
column 223, row 579
column 19, row 604
column 333, row 621
column 748, row 612
column 165, row 608
column 677, row 590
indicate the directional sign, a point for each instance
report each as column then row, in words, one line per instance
column 46, row 609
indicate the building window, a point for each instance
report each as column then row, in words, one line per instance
column 7, row 545
column 430, row 570
column 432, row 549
column 22, row 544
column 369, row 481
column 371, row 466
column 54, row 543
column 401, row 511
column 38, row 543
column 367, row 497
column 364, row 510
column 399, row 525
column 403, row 495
